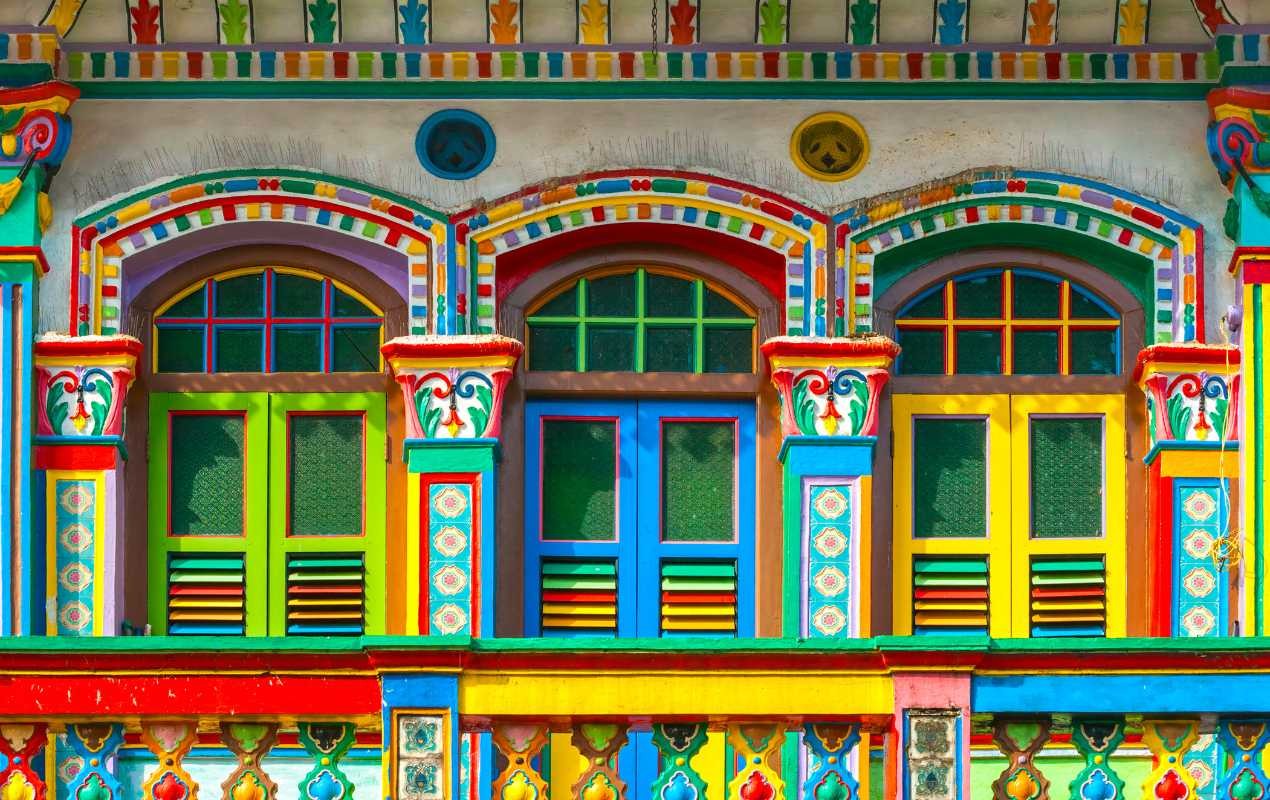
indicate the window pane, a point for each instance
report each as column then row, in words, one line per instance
column 240, row 350
column 716, row 305
column 610, row 348
column 326, row 478
column 612, row 296
column 921, row 352
column 296, row 296
column 1035, row 298
column 728, row 350
column 698, row 481
column 192, row 305
column 1094, row 352
column 345, row 305
column 243, row 296
column 579, row 480
column 356, row 349
column 929, row 307
column 1066, row 477
column 1035, row 352
column 668, row 349
column 297, row 349
column 978, row 352
column 978, row 297
column 564, row 304
column 665, row 296
column 1084, row 307
column 181, row 349
column 206, row 492
column 950, row 477
column 553, row 347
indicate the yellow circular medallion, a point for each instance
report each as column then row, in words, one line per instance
column 829, row 146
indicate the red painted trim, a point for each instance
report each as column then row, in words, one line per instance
column 40, row 91
column 1244, row 256
column 88, row 346
column 36, row 253
column 1159, row 551
column 451, row 347
column 1193, row 353
column 77, row 456
column 800, row 347
column 426, row 482
column 1238, row 97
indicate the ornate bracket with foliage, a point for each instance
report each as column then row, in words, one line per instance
column 1239, row 133
column 81, row 384
column 1192, row 392
column 453, row 385
column 830, row 387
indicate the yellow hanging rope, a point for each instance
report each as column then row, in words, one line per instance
column 10, row 189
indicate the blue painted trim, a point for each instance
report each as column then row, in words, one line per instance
column 451, row 266
column 1217, row 693
column 1231, row 446
column 794, row 444
column 447, row 444
column 454, row 115
column 6, row 433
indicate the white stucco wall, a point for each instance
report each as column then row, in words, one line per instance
column 1153, row 148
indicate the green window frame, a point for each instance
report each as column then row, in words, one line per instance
column 640, row 320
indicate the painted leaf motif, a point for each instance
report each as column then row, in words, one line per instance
column 414, row 28
column 859, row 406
column 1217, row 417
column 1133, row 22
column 481, row 411
column 682, row 27
column 1041, row 28
column 145, row 22
column 57, row 412
column 430, row 415
column 1262, row 122
column 233, row 21
column 1179, row 416
column 594, row 21
column 864, row 14
column 322, row 21
column 771, row 22
column 951, row 29
column 504, row 27
column 10, row 119
column 804, row 409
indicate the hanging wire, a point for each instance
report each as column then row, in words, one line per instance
column 653, row 25
column 1226, row 551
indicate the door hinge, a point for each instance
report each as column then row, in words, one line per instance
column 387, row 449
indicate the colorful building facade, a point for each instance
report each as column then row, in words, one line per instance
column 587, row 399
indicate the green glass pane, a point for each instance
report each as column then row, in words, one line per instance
column 978, row 353
column 297, row 349
column 666, row 296
column 243, row 296
column 1035, row 352
column 553, row 347
column 1036, row 298
column 181, row 349
column 345, row 305
column 206, row 474
column 610, row 348
column 326, row 477
column 297, row 296
column 239, row 349
column 579, row 480
column 564, row 304
column 611, row 296
column 1085, row 307
column 978, row 297
column 668, row 349
column 1094, row 352
column 356, row 349
column 698, row 462
column 1066, row 477
column 950, row 477
column 716, row 305
column 192, row 305
column 728, row 350
column 921, row 352
column 929, row 307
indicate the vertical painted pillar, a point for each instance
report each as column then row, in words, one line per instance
column 1192, row 396
column 37, row 133
column 830, row 390
column 80, row 388
column 422, row 739
column 932, row 720
column 453, row 387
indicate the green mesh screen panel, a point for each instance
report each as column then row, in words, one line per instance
column 579, row 480
column 979, row 352
column 665, row 296
column 978, row 297
column 921, row 352
column 192, row 305
column 1084, row 307
column 345, row 305
column 950, row 477
column 297, row 349
column 1035, row 352
column 728, row 350
column 564, row 304
column 297, row 296
column 1094, row 352
column 553, row 347
column 611, row 296
column 698, row 461
column 716, row 305
column 668, row 349
column 326, row 480
column 243, row 296
column 206, row 474
column 1066, row 477
column 356, row 349
column 929, row 307
column 181, row 349
column 1036, row 298
column 239, row 349
column 610, row 348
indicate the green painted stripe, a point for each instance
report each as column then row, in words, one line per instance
column 951, row 580
column 205, row 563
column 688, row 585
column 579, row 568
column 671, row 570
column 1064, row 565
column 579, row 583
column 323, row 562
column 924, row 566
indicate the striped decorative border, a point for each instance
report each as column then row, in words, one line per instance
column 1129, row 222
column 105, row 236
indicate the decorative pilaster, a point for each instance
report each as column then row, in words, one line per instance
column 19, row 744
column 599, row 743
column 1020, row 741
column 453, row 389
column 829, row 771
column 250, row 742
column 1169, row 742
column 521, row 745
column 678, row 744
column 170, row 742
column 326, row 743
column 94, row 745
column 1192, row 396
column 757, row 748
column 1096, row 740
column 830, row 392
column 1244, row 742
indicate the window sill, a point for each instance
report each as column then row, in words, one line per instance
column 745, row 384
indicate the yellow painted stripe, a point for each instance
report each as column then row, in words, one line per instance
column 698, row 624
column 598, row 610
column 698, row 611
column 579, row 622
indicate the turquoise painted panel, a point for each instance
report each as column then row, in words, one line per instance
column 75, row 515
column 828, row 545
column 1200, row 594
column 450, row 558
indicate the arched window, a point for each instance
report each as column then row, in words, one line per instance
column 640, row 320
column 270, row 319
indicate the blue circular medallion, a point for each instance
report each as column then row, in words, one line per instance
column 455, row 144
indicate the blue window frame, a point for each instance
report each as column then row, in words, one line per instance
column 656, row 555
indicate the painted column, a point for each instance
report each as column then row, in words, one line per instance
column 423, row 745
column 932, row 720
column 81, row 384
column 453, row 387
column 830, row 390
column 1192, row 397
